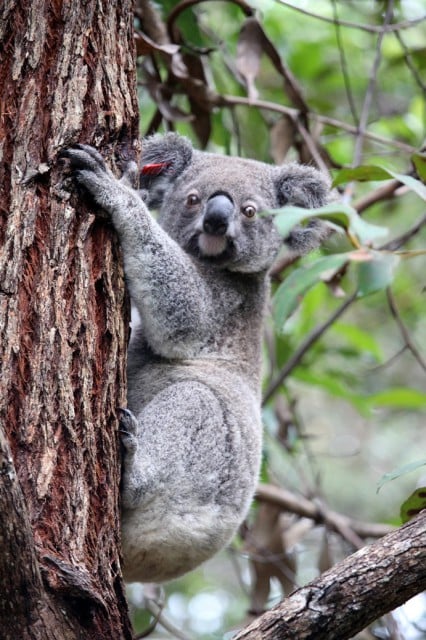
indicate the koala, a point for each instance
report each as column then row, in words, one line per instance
column 198, row 277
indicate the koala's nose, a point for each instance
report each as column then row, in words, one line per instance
column 218, row 215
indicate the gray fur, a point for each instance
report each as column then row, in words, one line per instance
column 193, row 433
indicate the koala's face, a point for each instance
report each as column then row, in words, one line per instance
column 211, row 204
column 212, row 210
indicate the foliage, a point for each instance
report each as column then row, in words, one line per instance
column 339, row 85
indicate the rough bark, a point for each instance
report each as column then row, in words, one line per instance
column 354, row 593
column 67, row 74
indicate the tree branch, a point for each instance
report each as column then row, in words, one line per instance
column 398, row 242
column 355, row 25
column 363, row 120
column 310, row 339
column 403, row 329
column 384, row 192
column 306, row 508
column 229, row 100
column 354, row 593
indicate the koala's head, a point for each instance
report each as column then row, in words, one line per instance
column 210, row 203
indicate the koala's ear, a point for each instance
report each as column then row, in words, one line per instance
column 306, row 187
column 164, row 157
column 301, row 186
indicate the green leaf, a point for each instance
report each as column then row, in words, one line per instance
column 338, row 213
column 299, row 281
column 414, row 504
column 376, row 274
column 358, row 338
column 362, row 173
column 335, row 386
column 400, row 471
column 399, row 398
column 376, row 172
column 411, row 183
column 419, row 161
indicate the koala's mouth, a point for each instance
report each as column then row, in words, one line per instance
column 210, row 247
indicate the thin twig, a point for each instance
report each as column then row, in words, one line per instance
column 365, row 112
column 297, row 356
column 403, row 329
column 409, row 62
column 344, row 66
column 228, row 100
column 312, row 147
column 398, row 242
column 156, row 611
column 306, row 508
column 384, row 192
column 185, row 4
column 407, row 24
column 390, row 361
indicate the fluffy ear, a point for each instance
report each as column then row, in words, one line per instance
column 164, row 157
column 306, row 187
column 301, row 186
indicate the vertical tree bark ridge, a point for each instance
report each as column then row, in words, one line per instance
column 353, row 593
column 67, row 74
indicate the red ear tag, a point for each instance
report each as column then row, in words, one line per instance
column 154, row 169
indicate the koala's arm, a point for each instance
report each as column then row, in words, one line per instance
column 163, row 282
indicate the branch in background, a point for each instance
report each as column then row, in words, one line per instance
column 297, row 356
column 229, row 101
column 384, row 192
column 403, row 329
column 409, row 62
column 344, row 66
column 398, row 242
column 353, row 593
column 365, row 112
column 306, row 508
column 186, row 4
column 312, row 147
column 407, row 24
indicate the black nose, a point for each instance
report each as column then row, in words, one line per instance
column 218, row 215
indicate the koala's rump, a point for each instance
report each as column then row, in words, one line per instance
column 198, row 459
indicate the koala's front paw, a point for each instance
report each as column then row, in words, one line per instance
column 128, row 426
column 301, row 240
column 91, row 172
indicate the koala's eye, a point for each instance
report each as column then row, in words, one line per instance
column 192, row 199
column 249, row 210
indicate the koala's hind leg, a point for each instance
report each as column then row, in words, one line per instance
column 128, row 427
column 128, row 430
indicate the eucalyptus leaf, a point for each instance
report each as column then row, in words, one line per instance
column 376, row 274
column 359, row 338
column 363, row 173
column 400, row 471
column 376, row 172
column 411, row 183
column 399, row 398
column 339, row 214
column 414, row 504
column 335, row 386
column 419, row 161
column 299, row 281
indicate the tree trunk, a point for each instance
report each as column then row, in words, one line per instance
column 353, row 593
column 67, row 74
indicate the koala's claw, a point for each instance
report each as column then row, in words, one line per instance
column 128, row 425
column 82, row 156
